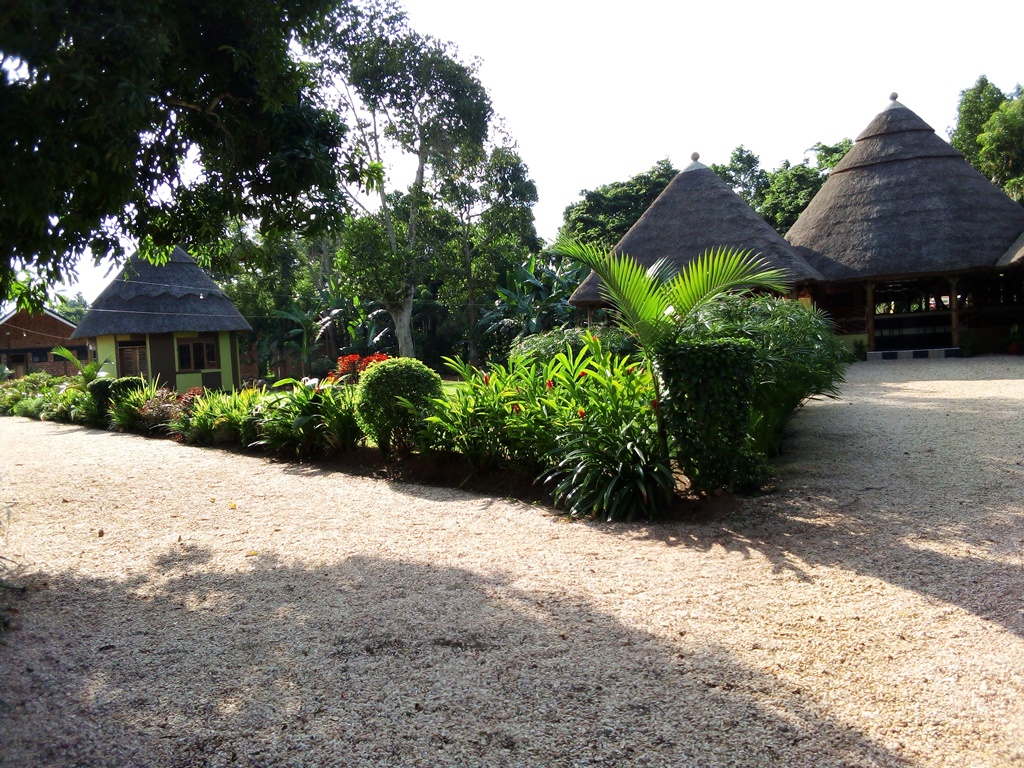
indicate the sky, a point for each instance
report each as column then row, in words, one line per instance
column 594, row 93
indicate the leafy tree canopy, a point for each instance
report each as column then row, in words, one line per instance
column 1001, row 143
column 976, row 106
column 605, row 214
column 101, row 103
column 744, row 174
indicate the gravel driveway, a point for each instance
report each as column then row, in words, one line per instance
column 193, row 607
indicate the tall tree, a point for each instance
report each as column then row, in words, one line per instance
column 976, row 106
column 605, row 214
column 1001, row 143
column 102, row 102
column 489, row 198
column 744, row 174
column 409, row 93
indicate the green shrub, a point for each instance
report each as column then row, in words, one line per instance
column 217, row 418
column 308, row 421
column 392, row 423
column 609, row 464
column 100, row 390
column 125, row 385
column 70, row 405
column 127, row 402
column 706, row 405
column 30, row 407
column 542, row 347
column 796, row 356
column 159, row 411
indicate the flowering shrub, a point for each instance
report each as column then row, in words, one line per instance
column 350, row 367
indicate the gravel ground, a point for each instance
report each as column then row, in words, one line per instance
column 191, row 607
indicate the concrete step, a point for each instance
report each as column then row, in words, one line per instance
column 915, row 354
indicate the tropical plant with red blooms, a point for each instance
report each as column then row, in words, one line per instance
column 351, row 367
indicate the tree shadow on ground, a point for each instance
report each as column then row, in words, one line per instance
column 377, row 662
column 959, row 538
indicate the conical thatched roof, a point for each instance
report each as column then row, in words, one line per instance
column 175, row 297
column 696, row 212
column 904, row 202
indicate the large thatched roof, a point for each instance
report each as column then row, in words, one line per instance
column 175, row 297
column 696, row 212
column 904, row 202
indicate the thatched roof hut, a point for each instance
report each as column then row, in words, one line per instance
column 698, row 211
column 904, row 203
column 148, row 299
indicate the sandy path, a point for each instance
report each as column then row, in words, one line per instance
column 238, row 612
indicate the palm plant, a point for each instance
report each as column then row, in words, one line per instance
column 653, row 304
column 88, row 371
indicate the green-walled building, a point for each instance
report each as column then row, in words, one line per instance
column 169, row 322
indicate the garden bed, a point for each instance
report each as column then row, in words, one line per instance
column 191, row 606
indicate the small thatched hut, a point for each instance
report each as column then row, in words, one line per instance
column 913, row 243
column 698, row 211
column 170, row 322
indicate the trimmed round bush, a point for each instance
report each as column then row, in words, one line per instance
column 393, row 423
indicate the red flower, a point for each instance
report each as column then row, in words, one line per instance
column 487, row 379
column 582, row 413
column 550, row 384
column 655, row 403
column 515, row 408
column 582, row 374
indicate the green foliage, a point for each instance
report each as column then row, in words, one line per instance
column 393, row 425
column 611, row 465
column 542, row 347
column 1001, row 155
column 707, row 404
column 780, row 196
column 121, row 387
column 128, row 396
column 977, row 104
column 29, row 406
column 797, row 356
column 100, row 391
column 101, row 101
column 584, row 420
column 307, row 421
column 605, row 214
column 744, row 174
column 70, row 405
column 13, row 391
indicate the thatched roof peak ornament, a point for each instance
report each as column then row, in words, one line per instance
column 694, row 165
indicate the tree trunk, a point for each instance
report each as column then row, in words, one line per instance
column 402, row 315
column 474, row 346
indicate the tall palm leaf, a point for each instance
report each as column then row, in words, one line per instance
column 653, row 304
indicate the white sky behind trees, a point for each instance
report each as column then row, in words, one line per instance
column 597, row 92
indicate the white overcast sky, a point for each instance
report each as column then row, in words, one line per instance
column 597, row 92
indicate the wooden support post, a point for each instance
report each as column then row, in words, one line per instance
column 869, row 316
column 954, row 320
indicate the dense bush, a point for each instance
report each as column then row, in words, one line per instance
column 307, row 420
column 391, row 399
column 127, row 400
column 125, row 385
column 584, row 421
column 796, row 356
column 100, row 390
column 544, row 346
column 706, row 403
column 71, row 405
column 219, row 418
